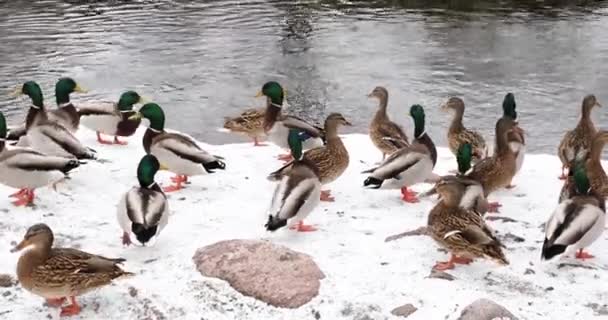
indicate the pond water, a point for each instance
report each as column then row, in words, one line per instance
column 203, row 60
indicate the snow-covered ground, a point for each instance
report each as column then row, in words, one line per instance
column 366, row 276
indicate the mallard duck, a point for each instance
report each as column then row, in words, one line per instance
column 57, row 274
column 461, row 232
column 66, row 115
column 595, row 171
column 469, row 191
column 111, row 118
column 48, row 137
column 516, row 140
column 576, row 222
column 286, row 131
column 144, row 210
column 330, row 160
column 294, row 198
column 386, row 135
column 498, row 170
column 250, row 122
column 174, row 150
column 578, row 140
column 459, row 135
column 411, row 164
column 27, row 169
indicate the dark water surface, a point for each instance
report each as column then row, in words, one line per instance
column 202, row 60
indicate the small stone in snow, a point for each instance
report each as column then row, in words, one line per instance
column 404, row 311
column 383, row 263
column 132, row 292
column 484, row 309
column 436, row 274
column 6, row 280
column 600, row 310
column 181, row 198
column 549, row 289
column 529, row 271
column 316, row 314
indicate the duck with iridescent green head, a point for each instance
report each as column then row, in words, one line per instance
column 144, row 211
column 287, row 131
column 111, row 118
column 46, row 136
column 410, row 165
column 517, row 141
column 27, row 169
column 174, row 150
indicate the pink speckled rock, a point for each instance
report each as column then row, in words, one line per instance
column 271, row 273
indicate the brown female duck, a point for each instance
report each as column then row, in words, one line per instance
column 330, row 160
column 595, row 171
column 60, row 273
column 497, row 171
column 580, row 139
column 459, row 135
column 385, row 134
column 461, row 232
column 250, row 122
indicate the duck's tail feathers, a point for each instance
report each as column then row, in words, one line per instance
column 551, row 250
column 375, row 183
column 275, row 223
column 217, row 164
column 494, row 252
column 278, row 174
column 71, row 165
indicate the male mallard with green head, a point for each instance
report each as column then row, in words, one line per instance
column 463, row 233
column 330, row 160
column 57, row 274
column 174, row 150
column 580, row 139
column 386, row 135
column 286, row 131
column 144, row 210
column 27, row 169
column 459, row 135
column 46, row 136
column 66, row 114
column 577, row 222
column 516, row 140
column 410, row 165
column 111, row 118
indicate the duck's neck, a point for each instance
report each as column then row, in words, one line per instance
column 32, row 259
column 502, row 143
column 273, row 111
column 334, row 143
column 456, row 124
column 382, row 105
column 35, row 112
column 428, row 142
column 2, row 144
column 149, row 136
column 62, row 98
column 595, row 154
column 585, row 120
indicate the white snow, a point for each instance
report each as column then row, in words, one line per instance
column 366, row 276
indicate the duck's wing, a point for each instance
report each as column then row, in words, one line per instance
column 185, row 148
column 14, row 133
column 399, row 161
column 145, row 206
column 65, row 140
column 393, row 133
column 293, row 122
column 31, row 160
column 292, row 192
column 96, row 108
column 570, row 221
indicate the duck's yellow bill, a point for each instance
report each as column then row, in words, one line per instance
column 163, row 167
column 259, row 94
column 80, row 89
column 16, row 92
column 143, row 100
column 136, row 116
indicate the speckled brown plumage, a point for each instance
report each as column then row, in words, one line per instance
column 249, row 122
column 386, row 135
column 458, row 134
column 595, row 171
column 576, row 143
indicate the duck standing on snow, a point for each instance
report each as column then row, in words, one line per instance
column 330, row 160
column 467, row 191
column 516, row 139
column 46, row 136
column 386, row 135
column 459, row 135
column 144, row 210
column 461, row 232
column 579, row 140
column 576, row 222
column 283, row 130
column 498, row 170
column 410, row 165
column 111, row 118
column 250, row 122
column 57, row 274
column 177, row 152
column 294, row 198
column 27, row 169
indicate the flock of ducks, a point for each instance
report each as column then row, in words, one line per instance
column 43, row 150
